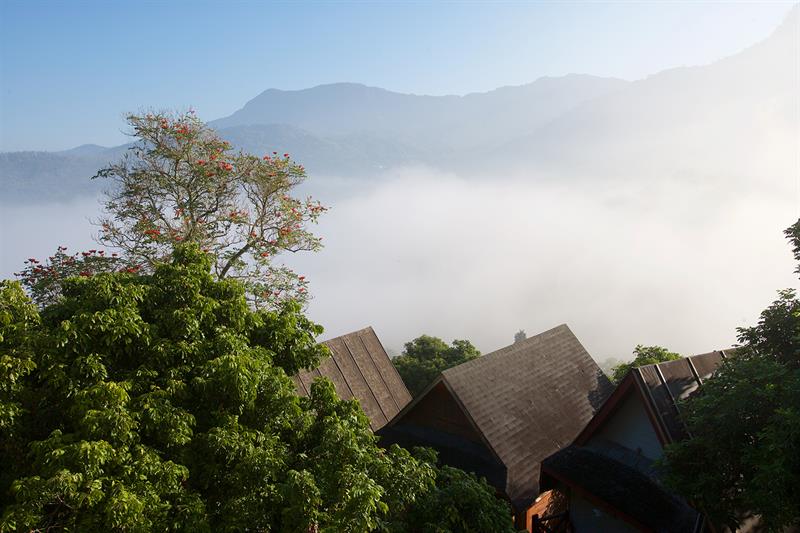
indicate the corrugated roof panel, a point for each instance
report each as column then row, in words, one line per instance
column 707, row 363
column 360, row 368
column 371, row 375
column 393, row 381
column 679, row 377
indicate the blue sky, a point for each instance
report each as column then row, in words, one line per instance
column 70, row 70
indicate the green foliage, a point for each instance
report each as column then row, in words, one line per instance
column 425, row 357
column 161, row 402
column 459, row 502
column 744, row 450
column 18, row 323
column 643, row 355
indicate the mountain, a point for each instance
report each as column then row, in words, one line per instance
column 37, row 177
column 735, row 119
column 341, row 130
column 427, row 123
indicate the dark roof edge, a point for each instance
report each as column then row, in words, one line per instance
column 414, row 401
column 442, row 379
column 472, row 421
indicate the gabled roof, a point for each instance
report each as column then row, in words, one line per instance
column 668, row 383
column 661, row 386
column 526, row 401
column 360, row 368
column 613, row 476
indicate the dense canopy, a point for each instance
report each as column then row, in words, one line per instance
column 162, row 402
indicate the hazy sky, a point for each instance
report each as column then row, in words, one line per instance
column 69, row 70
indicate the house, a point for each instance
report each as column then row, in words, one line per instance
column 360, row 368
column 501, row 414
column 608, row 474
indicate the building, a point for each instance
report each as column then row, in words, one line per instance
column 360, row 368
column 609, row 475
column 501, row 414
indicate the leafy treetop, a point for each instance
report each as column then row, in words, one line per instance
column 643, row 355
column 425, row 357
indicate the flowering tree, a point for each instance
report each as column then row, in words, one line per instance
column 43, row 279
column 182, row 183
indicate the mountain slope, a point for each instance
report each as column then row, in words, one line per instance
column 425, row 122
column 738, row 118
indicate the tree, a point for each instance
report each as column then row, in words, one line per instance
column 424, row 358
column 43, row 279
column 180, row 182
column 459, row 502
column 162, row 402
column 643, row 355
column 743, row 454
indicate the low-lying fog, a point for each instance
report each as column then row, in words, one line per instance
column 422, row 252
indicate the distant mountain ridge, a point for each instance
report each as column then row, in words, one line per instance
column 448, row 122
column 682, row 123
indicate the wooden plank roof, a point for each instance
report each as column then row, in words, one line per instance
column 360, row 368
column 527, row 400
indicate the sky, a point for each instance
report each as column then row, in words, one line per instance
column 70, row 70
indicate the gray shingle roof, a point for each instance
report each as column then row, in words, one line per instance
column 528, row 400
column 360, row 368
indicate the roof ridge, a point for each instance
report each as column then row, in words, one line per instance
column 507, row 350
column 350, row 334
column 688, row 357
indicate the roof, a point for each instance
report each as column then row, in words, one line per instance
column 360, row 368
column 620, row 479
column 614, row 483
column 666, row 384
column 661, row 386
column 527, row 400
